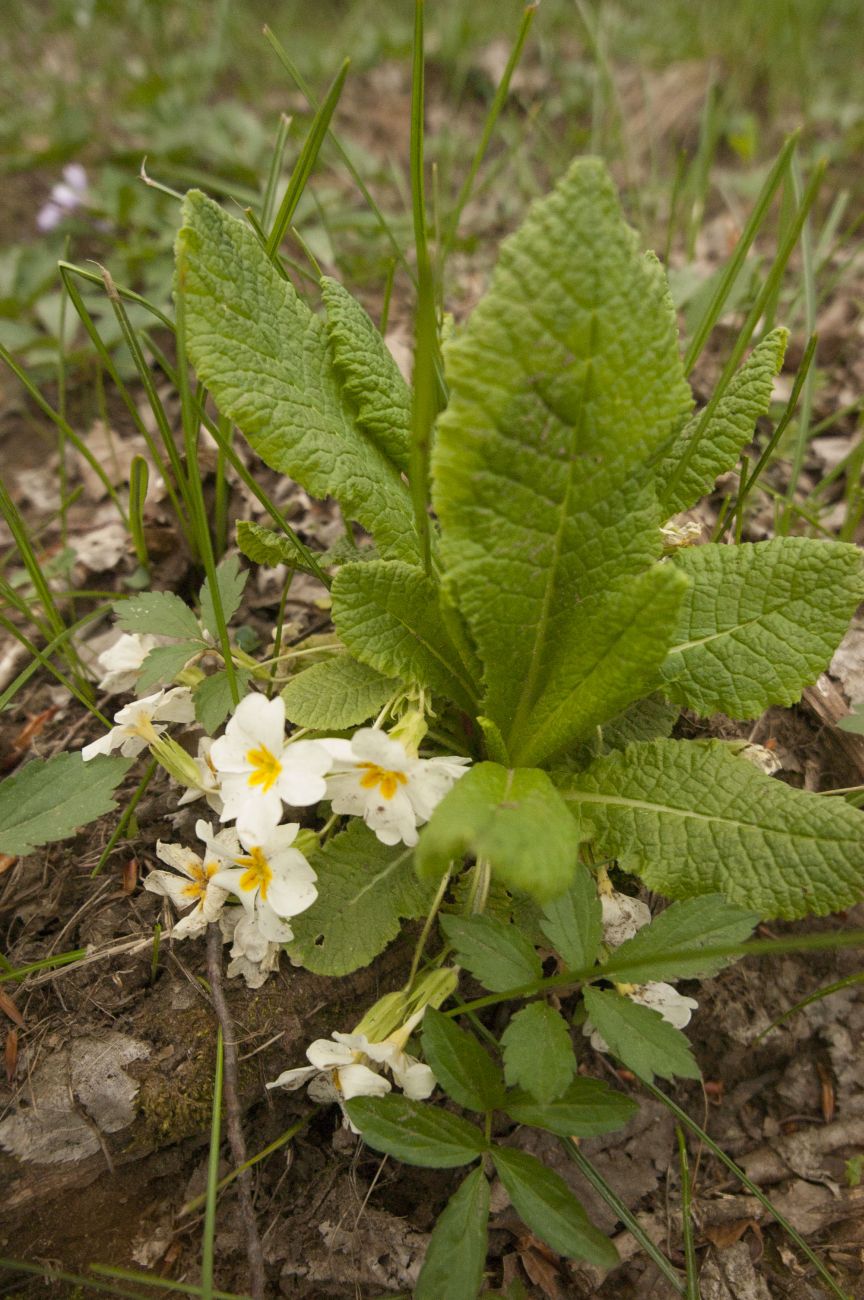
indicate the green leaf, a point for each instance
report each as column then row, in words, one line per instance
column 639, row 1036
column 586, row 1109
column 416, row 1132
column 730, row 427
column 231, row 580
column 696, row 923
column 464, row 1070
column 50, row 799
column 160, row 613
column 854, row 721
column 690, row 818
column 610, row 655
column 264, row 546
column 538, row 1053
column 368, row 374
column 213, row 699
column 550, row 1209
column 456, row 1254
column 564, row 380
column 336, row 694
column 648, row 719
column 364, row 889
column 573, row 922
column 266, row 359
column 389, row 616
column 515, row 818
column 760, row 622
column 495, row 953
column 164, row 663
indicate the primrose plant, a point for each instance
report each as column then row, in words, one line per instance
column 489, row 732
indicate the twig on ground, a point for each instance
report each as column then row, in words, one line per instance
column 257, row 1276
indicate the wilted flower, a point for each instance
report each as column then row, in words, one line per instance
column 272, row 880
column 122, row 661
column 138, row 724
column 193, row 885
column 623, row 917
column 252, row 955
column 665, row 999
column 259, row 770
column 374, row 777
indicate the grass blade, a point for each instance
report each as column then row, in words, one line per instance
column 751, row 1187
column 613, row 1200
column 424, row 406
column 305, row 163
column 208, row 1243
column 742, row 248
column 686, row 1220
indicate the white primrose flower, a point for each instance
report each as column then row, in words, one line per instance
column 336, row 1073
column 414, row 1078
column 193, row 884
column 272, row 880
column 374, row 777
column 138, row 724
column 122, row 661
column 259, row 770
column 252, row 956
column 67, row 196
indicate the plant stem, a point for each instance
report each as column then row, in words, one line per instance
column 233, row 1125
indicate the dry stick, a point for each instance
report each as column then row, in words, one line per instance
column 234, row 1127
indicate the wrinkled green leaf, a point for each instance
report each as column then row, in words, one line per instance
column 564, row 380
column 364, row 889
column 573, row 923
column 463, row 1068
column 416, row 1132
column 336, row 694
column 760, row 621
column 730, row 427
column 50, row 799
column 213, row 699
column 231, row 580
column 695, row 923
column 160, row 613
column 639, row 1036
column 456, row 1254
column 389, row 616
column 550, row 1209
column 690, row 818
column 586, row 1109
column 515, row 819
column 266, row 359
column 610, row 656
column 538, row 1053
column 496, row 954
column 368, row 374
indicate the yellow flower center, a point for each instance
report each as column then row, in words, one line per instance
column 387, row 782
column 258, row 874
column 265, row 768
column 197, row 886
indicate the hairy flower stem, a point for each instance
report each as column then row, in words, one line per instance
column 427, row 926
column 233, row 1125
